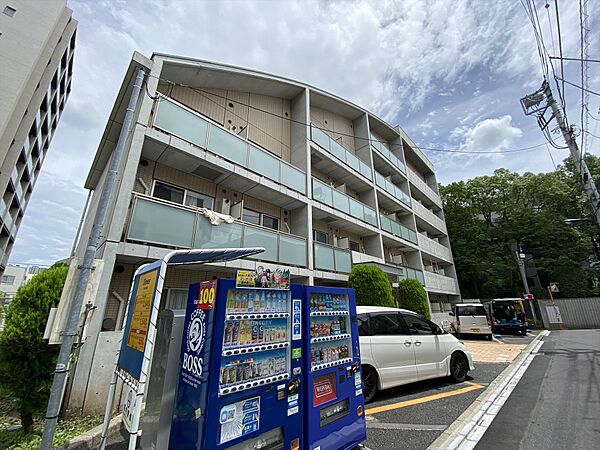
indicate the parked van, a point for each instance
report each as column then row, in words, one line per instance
column 507, row 315
column 470, row 318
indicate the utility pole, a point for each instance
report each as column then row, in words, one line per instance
column 530, row 105
column 70, row 332
column 521, row 263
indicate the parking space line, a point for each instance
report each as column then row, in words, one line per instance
column 428, row 398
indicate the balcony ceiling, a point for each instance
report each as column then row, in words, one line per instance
column 340, row 223
column 334, row 169
column 196, row 165
column 424, row 225
column 390, row 205
column 396, row 244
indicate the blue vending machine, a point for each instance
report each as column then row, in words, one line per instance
column 239, row 384
column 333, row 400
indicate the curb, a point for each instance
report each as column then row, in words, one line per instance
column 456, row 434
column 90, row 440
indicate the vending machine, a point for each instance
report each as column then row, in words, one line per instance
column 333, row 400
column 239, row 383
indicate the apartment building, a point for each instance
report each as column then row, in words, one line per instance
column 321, row 183
column 37, row 40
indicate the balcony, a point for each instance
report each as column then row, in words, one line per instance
column 334, row 148
column 424, row 188
column 434, row 248
column 332, row 258
column 398, row 230
column 429, row 217
column 388, row 155
column 174, row 119
column 153, row 221
column 392, row 189
column 402, row 271
column 441, row 283
column 412, row 146
column 342, row 202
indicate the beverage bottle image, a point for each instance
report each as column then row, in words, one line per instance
column 263, row 302
column 227, row 337
column 257, row 305
column 261, row 333
column 235, row 333
column 250, row 303
column 230, row 301
column 254, row 331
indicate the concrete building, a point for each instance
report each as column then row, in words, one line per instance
column 37, row 39
column 321, row 183
column 12, row 279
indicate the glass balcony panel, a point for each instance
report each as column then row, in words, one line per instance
column 319, row 137
column 292, row 250
column 356, row 209
column 396, row 228
column 322, row 193
column 163, row 224
column 410, row 273
column 412, row 236
column 386, row 223
column 225, row 235
column 340, row 201
column 370, row 216
column 261, row 162
column 324, row 259
column 366, row 170
column 419, row 276
column 379, row 180
column 293, row 178
column 343, row 261
column 227, row 145
column 181, row 122
column 337, row 150
column 255, row 237
column 353, row 161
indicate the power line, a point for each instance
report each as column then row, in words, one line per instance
column 562, row 66
column 203, row 92
column 580, row 87
column 575, row 59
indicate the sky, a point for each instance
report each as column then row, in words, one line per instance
column 449, row 72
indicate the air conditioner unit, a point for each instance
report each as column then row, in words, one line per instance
column 398, row 259
column 343, row 243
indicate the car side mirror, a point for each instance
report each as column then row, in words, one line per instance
column 450, row 313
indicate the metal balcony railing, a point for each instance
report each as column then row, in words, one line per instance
column 333, row 259
column 392, row 189
column 342, row 202
column 393, row 227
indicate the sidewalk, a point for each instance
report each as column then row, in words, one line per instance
column 494, row 352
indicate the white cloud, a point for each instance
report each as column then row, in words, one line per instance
column 490, row 135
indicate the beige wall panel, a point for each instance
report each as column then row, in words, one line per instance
column 342, row 127
column 236, row 116
column 185, row 180
column 317, row 116
column 262, row 206
column 266, row 123
column 208, row 102
column 145, row 173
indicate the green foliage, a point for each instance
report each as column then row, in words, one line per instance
column 371, row 286
column 411, row 295
column 26, row 360
column 489, row 216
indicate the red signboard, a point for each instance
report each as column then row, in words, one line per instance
column 208, row 293
column 324, row 389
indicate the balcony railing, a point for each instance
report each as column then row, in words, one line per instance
column 163, row 223
column 429, row 216
column 434, row 248
column 387, row 154
column 332, row 258
column 334, row 148
column 392, row 189
column 408, row 272
column 190, row 126
column 416, row 149
column 424, row 188
column 342, row 202
column 437, row 282
column 393, row 227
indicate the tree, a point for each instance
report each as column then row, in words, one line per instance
column 371, row 286
column 26, row 361
column 411, row 295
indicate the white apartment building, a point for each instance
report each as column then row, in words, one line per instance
column 319, row 182
column 37, row 40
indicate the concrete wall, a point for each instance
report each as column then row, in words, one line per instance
column 576, row 313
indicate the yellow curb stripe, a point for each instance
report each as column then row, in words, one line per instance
column 429, row 398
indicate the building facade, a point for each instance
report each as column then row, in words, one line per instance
column 37, row 40
column 321, row 183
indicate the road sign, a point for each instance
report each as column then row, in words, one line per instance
column 554, row 314
column 554, row 287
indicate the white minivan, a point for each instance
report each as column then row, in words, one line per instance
column 398, row 346
column 470, row 318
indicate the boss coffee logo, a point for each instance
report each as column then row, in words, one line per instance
column 196, row 335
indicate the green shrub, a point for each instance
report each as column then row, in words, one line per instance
column 371, row 286
column 411, row 295
column 26, row 360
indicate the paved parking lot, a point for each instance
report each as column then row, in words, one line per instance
column 413, row 416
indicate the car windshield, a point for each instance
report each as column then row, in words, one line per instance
column 506, row 310
column 471, row 310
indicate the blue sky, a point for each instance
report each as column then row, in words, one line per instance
column 450, row 72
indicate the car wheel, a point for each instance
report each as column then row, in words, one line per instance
column 369, row 375
column 459, row 367
column 490, row 337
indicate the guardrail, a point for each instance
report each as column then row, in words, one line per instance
column 334, row 259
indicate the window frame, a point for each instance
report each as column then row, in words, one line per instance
column 433, row 327
column 403, row 328
column 186, row 192
column 9, row 11
column 316, row 232
column 261, row 218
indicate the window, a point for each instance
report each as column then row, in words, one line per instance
column 270, row 222
column 363, row 325
column 167, row 192
column 9, row 11
column 176, row 299
column 198, row 200
column 419, row 326
column 320, row 236
column 251, row 216
column 386, row 324
column 7, row 279
column 471, row 310
column 354, row 246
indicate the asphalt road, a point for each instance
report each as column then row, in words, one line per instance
column 417, row 426
column 556, row 404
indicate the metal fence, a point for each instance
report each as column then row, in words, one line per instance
column 575, row 313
